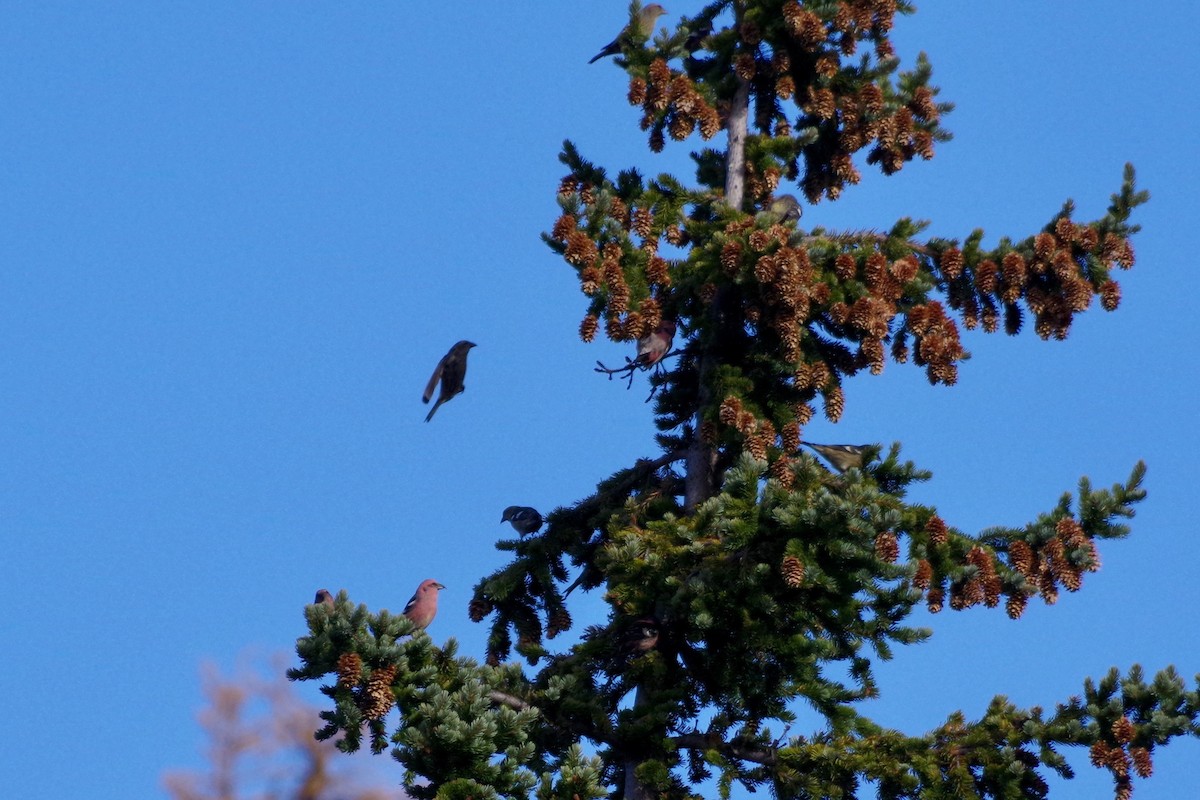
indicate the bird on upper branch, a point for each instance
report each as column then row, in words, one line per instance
column 451, row 371
column 786, row 207
column 324, row 598
column 656, row 344
column 841, row 456
column 644, row 24
column 422, row 608
column 523, row 519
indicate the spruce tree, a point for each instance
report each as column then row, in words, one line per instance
column 744, row 577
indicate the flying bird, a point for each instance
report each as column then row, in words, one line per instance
column 656, row 344
column 786, row 207
column 422, row 608
column 523, row 519
column 842, row 456
column 451, row 371
column 644, row 23
column 324, row 598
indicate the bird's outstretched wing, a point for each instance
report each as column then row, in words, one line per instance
column 433, row 381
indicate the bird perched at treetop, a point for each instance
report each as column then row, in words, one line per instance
column 641, row 26
column 523, row 519
column 324, row 598
column 422, row 608
column 842, row 456
column 787, row 207
column 656, row 344
column 451, row 371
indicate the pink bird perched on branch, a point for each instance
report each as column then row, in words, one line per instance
column 644, row 23
column 324, row 598
column 451, row 371
column 656, row 344
column 422, row 608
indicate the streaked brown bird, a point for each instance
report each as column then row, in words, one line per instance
column 841, row 456
column 451, row 371
column 524, row 519
column 643, row 23
column 656, row 344
column 422, row 608
column 324, row 598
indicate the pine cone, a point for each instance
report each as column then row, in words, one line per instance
column 1014, row 606
column 1020, row 557
column 587, row 328
column 936, row 528
column 835, row 403
column 378, row 699
column 781, row 470
column 479, row 608
column 886, row 547
column 349, row 669
column 924, row 576
column 1098, row 753
column 731, row 254
column 643, row 221
column 559, row 621
column 1123, row 730
column 1142, row 764
column 563, row 227
column 991, row 590
column 934, row 599
column 792, row 570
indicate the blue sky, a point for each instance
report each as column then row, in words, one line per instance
column 236, row 237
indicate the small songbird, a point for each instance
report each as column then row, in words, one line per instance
column 641, row 636
column 523, row 519
column 697, row 36
column 645, row 26
column 656, row 344
column 422, row 608
column 842, row 456
column 786, row 207
column 324, row 597
column 451, row 371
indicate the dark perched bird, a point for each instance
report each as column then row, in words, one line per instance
column 842, row 456
column 786, row 207
column 641, row 636
column 697, row 36
column 656, row 344
column 644, row 23
column 523, row 519
column 451, row 371
column 422, row 608
column 324, row 598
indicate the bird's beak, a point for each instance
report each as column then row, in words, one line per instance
column 438, row 585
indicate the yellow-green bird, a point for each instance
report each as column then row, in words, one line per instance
column 787, row 207
column 842, row 456
column 644, row 21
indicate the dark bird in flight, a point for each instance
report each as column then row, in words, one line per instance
column 451, row 371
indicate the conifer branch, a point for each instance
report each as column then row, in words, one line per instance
column 703, row 741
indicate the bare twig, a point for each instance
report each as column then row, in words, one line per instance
column 704, row 741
